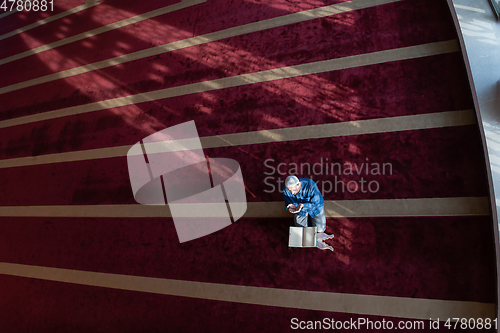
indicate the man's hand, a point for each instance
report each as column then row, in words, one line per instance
column 294, row 209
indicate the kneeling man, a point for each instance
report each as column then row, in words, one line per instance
column 304, row 200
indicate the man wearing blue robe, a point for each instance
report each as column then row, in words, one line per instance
column 304, row 200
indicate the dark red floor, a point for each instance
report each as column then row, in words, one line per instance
column 437, row 258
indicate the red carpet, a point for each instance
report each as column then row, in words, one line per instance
column 415, row 257
column 375, row 256
column 430, row 170
column 251, row 108
column 13, row 22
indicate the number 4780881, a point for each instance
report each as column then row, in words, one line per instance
column 27, row 5
column 471, row 323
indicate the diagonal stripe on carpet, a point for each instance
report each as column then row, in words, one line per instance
column 106, row 28
column 399, row 307
column 340, row 208
column 391, row 124
column 7, row 13
column 47, row 20
column 373, row 58
column 198, row 40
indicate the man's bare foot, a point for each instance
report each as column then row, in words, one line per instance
column 321, row 237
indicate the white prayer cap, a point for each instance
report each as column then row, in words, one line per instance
column 291, row 181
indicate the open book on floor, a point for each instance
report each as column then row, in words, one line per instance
column 302, row 237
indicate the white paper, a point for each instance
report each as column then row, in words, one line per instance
column 309, row 237
column 295, row 237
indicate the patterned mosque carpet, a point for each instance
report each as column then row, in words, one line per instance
column 369, row 98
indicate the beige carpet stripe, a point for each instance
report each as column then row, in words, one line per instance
column 211, row 37
column 386, row 306
column 7, row 13
column 103, row 29
column 404, row 53
column 371, row 126
column 47, row 20
column 460, row 206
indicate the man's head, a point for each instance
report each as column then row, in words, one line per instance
column 292, row 183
